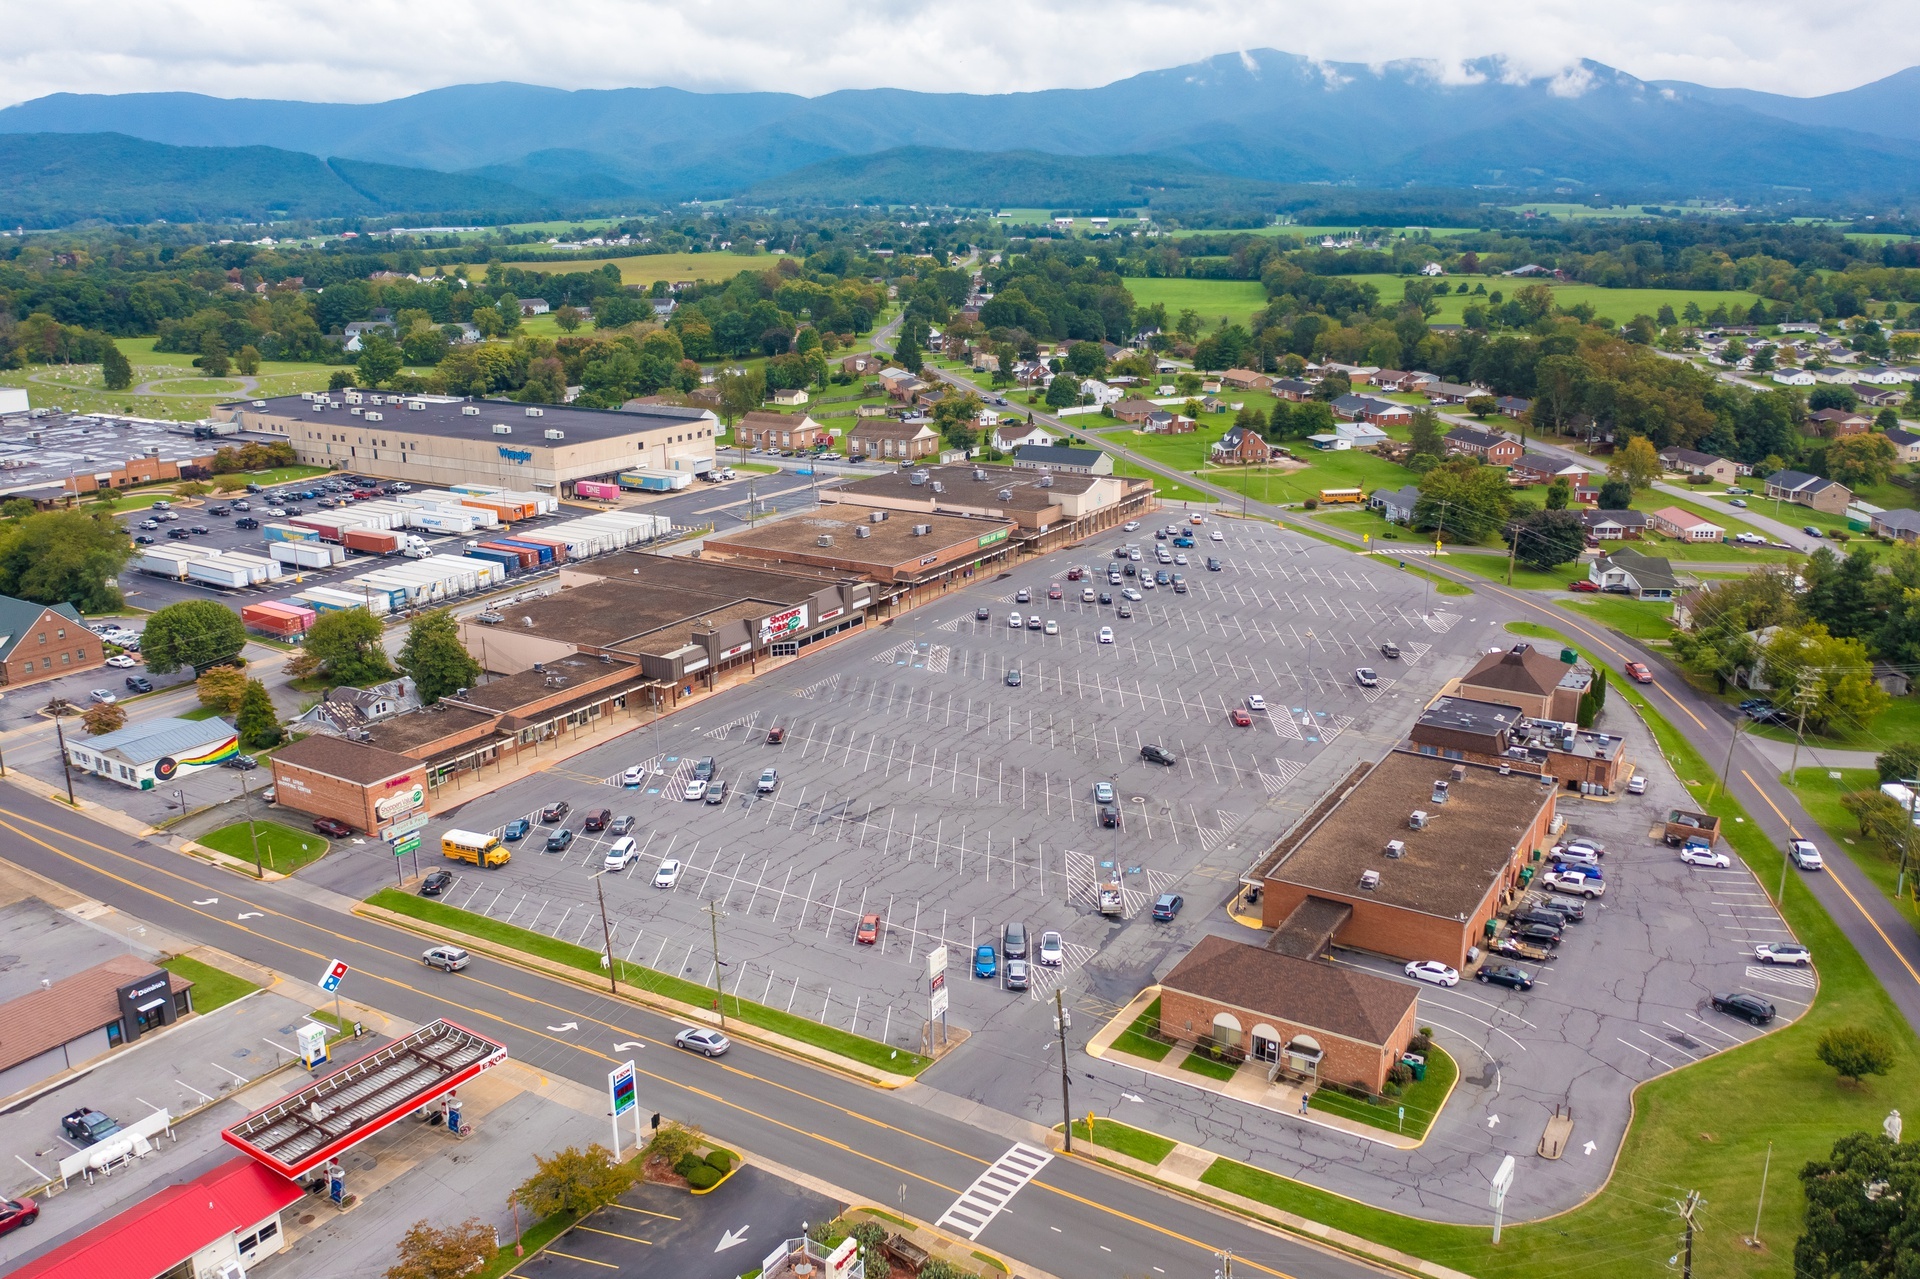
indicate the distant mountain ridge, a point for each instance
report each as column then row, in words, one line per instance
column 1260, row 117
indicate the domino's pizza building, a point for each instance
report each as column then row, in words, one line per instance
column 157, row 752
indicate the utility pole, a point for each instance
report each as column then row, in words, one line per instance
column 719, row 985
column 1066, row 1106
column 1754, row 1242
column 1225, row 1271
column 58, row 707
column 1804, row 692
column 606, row 934
column 1687, row 1210
column 1726, row 769
column 246, row 797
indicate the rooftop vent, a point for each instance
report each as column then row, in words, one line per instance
column 539, row 668
column 1417, row 820
column 921, row 530
column 861, row 530
column 1046, row 481
column 917, row 478
column 1459, row 772
column 1506, row 770
column 979, row 474
column 416, row 406
column 1396, row 848
column 1005, row 495
column 1439, row 792
column 876, row 517
column 552, row 434
column 501, row 428
column 375, row 417
column 533, row 412
column 353, row 412
column 1369, row 880
column 938, row 487
column 469, row 410
column 825, row 539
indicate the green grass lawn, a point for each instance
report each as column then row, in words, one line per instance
column 1136, row 1142
column 870, row 1052
column 1640, row 619
column 1899, row 722
column 1137, row 1039
column 1342, row 469
column 1421, row 1100
column 1820, row 795
column 1168, row 490
column 212, row 988
column 1533, row 630
column 282, row 848
column 712, row 267
column 1201, row 1064
column 1524, row 578
column 1618, row 305
column 1358, row 520
column 1237, row 299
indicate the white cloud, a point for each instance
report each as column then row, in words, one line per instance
column 377, row 49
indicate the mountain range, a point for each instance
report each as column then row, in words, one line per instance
column 1245, row 123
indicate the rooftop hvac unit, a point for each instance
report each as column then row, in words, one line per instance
column 825, row 539
column 1046, row 481
column 1369, row 880
column 469, row 410
column 416, row 406
column 1459, row 772
column 876, row 517
column 353, row 412
column 532, row 412
column 539, row 668
column 861, row 530
column 917, row 478
column 308, row 395
column 1506, row 770
column 979, row 474
column 1439, row 792
column 259, row 404
column 353, row 397
column 501, row 428
column 552, row 434
column 938, row 487
column 376, row 417
column 1006, row 495
column 1417, row 820
column 921, row 530
column 1396, row 848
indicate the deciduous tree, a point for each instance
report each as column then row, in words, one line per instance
column 434, row 657
column 1855, row 1052
column 348, row 643
column 379, row 359
column 1544, row 540
column 115, row 369
column 444, row 1252
column 104, row 717
column 221, row 689
column 1863, row 1210
column 1638, row 464
column 573, row 1181
column 195, row 633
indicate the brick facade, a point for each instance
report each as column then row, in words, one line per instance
column 332, row 777
column 1347, row 1061
column 54, row 644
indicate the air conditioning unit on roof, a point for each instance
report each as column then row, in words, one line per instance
column 552, row 434
column 469, row 410
column 501, row 428
column 533, row 412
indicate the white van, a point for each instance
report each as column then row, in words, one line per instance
column 623, row 853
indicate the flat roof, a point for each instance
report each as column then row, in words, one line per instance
column 509, row 693
column 304, row 1129
column 361, row 763
column 959, row 488
column 43, row 451
column 1469, row 840
column 889, row 542
column 426, row 726
column 1466, row 715
column 442, row 415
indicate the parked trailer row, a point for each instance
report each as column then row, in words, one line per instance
column 307, row 555
column 281, row 620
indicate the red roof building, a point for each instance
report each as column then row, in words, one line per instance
column 230, row 1214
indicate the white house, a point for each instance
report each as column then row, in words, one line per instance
column 157, row 752
column 1433, row 268
column 1794, row 377
column 1013, row 435
column 1100, row 393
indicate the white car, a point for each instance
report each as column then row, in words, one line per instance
column 667, row 875
column 1015, row 620
column 769, row 779
column 1638, row 786
column 1103, row 792
column 103, row 696
column 1433, row 971
column 120, row 661
column 1367, row 677
column 1106, row 635
column 1052, row 952
column 1805, row 855
column 1782, row 952
column 623, row 854
column 1255, row 702
column 1131, row 525
column 1086, row 595
column 1180, row 558
column 696, row 789
column 1705, row 857
column 632, row 776
column 1053, row 627
column 1131, row 594
column 1217, row 536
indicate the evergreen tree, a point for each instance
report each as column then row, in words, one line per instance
column 435, row 658
column 258, row 724
column 115, row 368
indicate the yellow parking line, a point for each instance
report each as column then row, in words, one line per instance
column 616, row 1234
column 648, row 1212
column 555, row 1252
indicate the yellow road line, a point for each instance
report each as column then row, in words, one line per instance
column 555, row 1252
column 595, row 1230
column 644, row 1211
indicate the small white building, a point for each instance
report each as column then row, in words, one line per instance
column 156, row 753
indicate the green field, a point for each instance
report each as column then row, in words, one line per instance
column 212, row 988
column 1236, row 299
column 1145, row 1146
column 1639, row 619
column 282, row 848
column 713, row 267
column 165, row 384
column 1618, row 305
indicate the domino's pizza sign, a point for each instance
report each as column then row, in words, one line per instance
column 330, row 981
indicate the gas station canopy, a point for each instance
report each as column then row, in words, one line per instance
column 302, row 1131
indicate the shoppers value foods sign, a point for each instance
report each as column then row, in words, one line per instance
column 790, row 622
column 400, row 802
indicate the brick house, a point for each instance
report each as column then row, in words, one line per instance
column 1685, row 525
column 1542, row 468
column 1313, row 1020
column 780, row 431
column 1135, row 410
column 1292, row 388
column 1512, row 406
column 40, row 641
column 1834, row 423
column 353, row 782
column 1490, row 447
column 1812, row 491
column 1523, row 676
column 1242, row 445
column 1692, row 462
column 1246, row 380
column 886, row 438
column 860, row 365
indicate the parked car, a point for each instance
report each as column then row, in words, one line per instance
column 436, row 883
column 15, row 1213
column 867, row 932
column 1805, row 855
column 698, row 1039
column 556, row 811
column 1367, row 677
column 769, row 778
column 1741, row 1004
column 139, row 684
column 597, row 819
column 1033, row 621
column 985, row 962
column 1536, row 933
column 622, row 825
column 448, row 959
column 1694, row 856
column 1433, row 972
column 143, row 540
column 1109, row 817
column 1167, row 905
column 1103, row 792
column 696, row 789
column 1582, row 586
column 560, row 840
column 332, row 827
column 1637, row 785
column 1157, row 755
column 1505, row 975
column 1213, row 564
column 121, row 662
column 1053, row 591
column 1390, row 649
column 1016, row 978
column 1052, row 627
column 667, row 874
column 775, row 736
column 1106, row 635
column 1782, row 952
column 622, row 853
column 1255, row 702
column 1052, row 952
column 1013, row 679
column 1240, row 718
column 102, row 697
column 716, row 792
column 516, row 829
column 241, row 763
column 982, row 614
column 1811, row 531
column 703, row 769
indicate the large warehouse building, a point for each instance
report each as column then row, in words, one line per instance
column 1045, row 510
column 438, row 440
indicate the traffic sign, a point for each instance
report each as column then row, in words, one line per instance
column 406, row 844
column 330, row 980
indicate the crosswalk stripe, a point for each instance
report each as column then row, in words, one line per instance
column 994, row 1189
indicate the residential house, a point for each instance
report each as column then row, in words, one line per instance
column 1395, row 380
column 1242, row 445
column 1450, row 392
column 1098, row 393
column 1053, row 457
column 1880, row 375
column 1161, row 422
column 1834, row 423
column 1524, row 676
column 1906, row 444
column 860, row 365
column 1395, row 504
column 894, row 441
column 1360, row 435
column 1685, row 525
column 1878, row 396
column 1292, row 388
column 347, row 710
column 1627, row 572
column 1691, row 462
column 40, row 641
column 1135, row 410
column 1246, row 380
column 469, row 334
column 780, row 431
column 1809, row 490
column 789, row 397
column 1794, row 377
column 663, row 309
column 1356, row 374
column 1512, row 406
column 1835, row 374
column 533, row 306
column 1612, row 526
column 1491, row 447
column 1902, row 525
column 1544, row 468
column 1012, row 435
column 1371, row 408
column 893, row 376
column 360, row 328
column 1433, row 269
column 985, row 362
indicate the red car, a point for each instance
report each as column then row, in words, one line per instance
column 869, row 931
column 1073, row 575
column 1053, row 592
column 1639, row 672
column 1582, row 585
column 1241, row 719
column 332, row 826
column 15, row 1213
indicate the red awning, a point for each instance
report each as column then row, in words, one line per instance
column 159, row 1233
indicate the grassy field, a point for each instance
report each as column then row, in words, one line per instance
column 1819, row 793
column 843, row 1043
column 1533, row 630
column 1421, row 1101
column 1137, row 1039
column 212, row 988
column 1347, row 468
column 1236, row 299
column 1899, row 722
column 1524, row 578
column 282, row 848
column 713, row 267
column 1145, row 1146
column 1640, row 619
column 1618, row 305
column 165, row 384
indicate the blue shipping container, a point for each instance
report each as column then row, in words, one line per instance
column 511, row 563
column 545, row 552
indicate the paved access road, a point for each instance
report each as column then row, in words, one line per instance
column 1072, row 1219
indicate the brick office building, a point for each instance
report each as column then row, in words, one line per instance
column 1541, row 686
column 350, row 781
column 1460, row 728
column 1409, row 858
column 1312, row 1019
column 40, row 641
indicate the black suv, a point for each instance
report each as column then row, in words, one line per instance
column 598, row 819
column 1538, row 934
column 1740, row 1004
column 1566, row 907
column 1157, row 755
column 139, row 684
column 1109, row 816
column 1540, row 915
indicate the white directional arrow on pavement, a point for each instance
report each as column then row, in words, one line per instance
column 1130, row 1097
column 620, row 1048
column 1492, row 1120
column 1589, row 1147
column 251, row 914
column 731, row 1238
column 211, row 901
column 566, row 1025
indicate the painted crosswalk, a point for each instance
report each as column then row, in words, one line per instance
column 1780, row 976
column 994, row 1189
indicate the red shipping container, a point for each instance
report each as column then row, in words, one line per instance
column 559, row 547
column 372, row 541
column 528, row 558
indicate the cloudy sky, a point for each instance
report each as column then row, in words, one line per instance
column 368, row 50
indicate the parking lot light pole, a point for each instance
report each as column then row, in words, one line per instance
column 1066, row 1106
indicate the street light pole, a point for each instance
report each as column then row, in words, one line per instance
column 606, row 934
column 1066, row 1106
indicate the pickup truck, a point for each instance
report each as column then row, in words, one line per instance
column 1513, row 948
column 88, row 1126
column 1110, row 902
column 1574, row 882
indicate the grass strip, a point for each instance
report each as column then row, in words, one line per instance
column 1421, row 1100
column 212, row 987
column 1533, row 630
column 282, row 848
column 868, row 1052
column 1200, row 1064
column 1820, row 795
column 1443, row 585
column 992, row 1261
column 1137, row 1039
column 1136, row 1142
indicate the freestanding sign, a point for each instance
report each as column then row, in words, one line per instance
column 937, row 994
column 624, row 1096
column 1497, row 1194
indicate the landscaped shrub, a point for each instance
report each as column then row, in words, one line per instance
column 702, row 1178
column 1399, row 1073
column 1312, row 504
column 721, row 1161
column 686, row 1165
